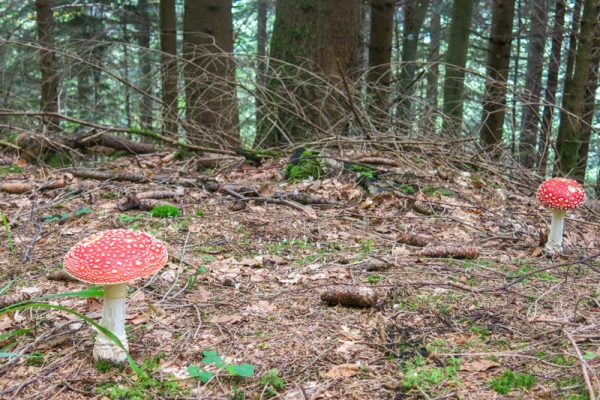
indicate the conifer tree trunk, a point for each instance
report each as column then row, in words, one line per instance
column 494, row 102
column 211, row 103
column 380, row 53
column 414, row 15
column 145, row 63
column 569, row 131
column 588, row 108
column 528, row 154
column 168, row 46
column 456, row 60
column 433, row 71
column 322, row 37
column 49, row 78
column 551, row 85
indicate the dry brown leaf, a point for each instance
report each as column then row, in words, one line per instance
column 262, row 306
column 479, row 365
column 343, row 371
column 93, row 304
column 200, row 295
column 226, row 319
column 309, row 213
column 139, row 319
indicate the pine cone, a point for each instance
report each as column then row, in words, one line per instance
column 458, row 252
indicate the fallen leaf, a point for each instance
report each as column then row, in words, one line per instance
column 226, row 319
column 139, row 319
column 343, row 371
column 479, row 365
column 262, row 306
column 200, row 295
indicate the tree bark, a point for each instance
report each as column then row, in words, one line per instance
column 211, row 109
column 569, row 131
column 433, row 72
column 380, row 54
column 528, row 154
column 49, row 78
column 588, row 108
column 168, row 46
column 494, row 102
column 414, row 15
column 456, row 61
column 551, row 85
column 321, row 37
column 145, row 63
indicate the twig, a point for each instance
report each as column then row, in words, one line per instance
column 584, row 367
column 351, row 103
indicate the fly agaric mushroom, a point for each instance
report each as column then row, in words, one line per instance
column 113, row 258
column 559, row 194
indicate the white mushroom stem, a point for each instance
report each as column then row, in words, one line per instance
column 113, row 319
column 554, row 243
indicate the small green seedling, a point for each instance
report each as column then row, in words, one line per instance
column 211, row 357
column 511, row 380
column 273, row 381
column 8, row 234
column 165, row 211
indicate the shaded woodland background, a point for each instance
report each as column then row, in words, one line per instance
column 517, row 79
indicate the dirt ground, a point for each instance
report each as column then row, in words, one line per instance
column 490, row 317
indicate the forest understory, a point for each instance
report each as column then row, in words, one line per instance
column 462, row 302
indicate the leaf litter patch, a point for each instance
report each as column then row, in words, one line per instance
column 461, row 305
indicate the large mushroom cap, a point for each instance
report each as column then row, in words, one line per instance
column 115, row 256
column 561, row 193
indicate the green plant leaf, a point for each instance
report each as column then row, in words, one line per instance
column 4, row 355
column 7, row 286
column 82, row 211
column 244, row 370
column 589, row 355
column 196, row 372
column 211, row 357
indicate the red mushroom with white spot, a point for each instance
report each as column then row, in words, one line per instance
column 559, row 194
column 113, row 258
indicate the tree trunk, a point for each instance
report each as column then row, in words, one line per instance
column 494, row 102
column 321, row 36
column 456, row 60
column 49, row 81
column 261, row 40
column 211, row 102
column 588, row 108
column 380, row 54
column 145, row 63
column 414, row 15
column 533, row 84
column 168, row 46
column 433, row 71
column 569, row 131
column 551, row 85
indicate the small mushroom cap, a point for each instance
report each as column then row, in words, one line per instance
column 561, row 193
column 115, row 256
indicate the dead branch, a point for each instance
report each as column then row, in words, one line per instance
column 584, row 366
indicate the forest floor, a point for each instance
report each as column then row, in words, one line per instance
column 241, row 294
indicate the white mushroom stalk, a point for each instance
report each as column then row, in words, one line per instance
column 113, row 258
column 557, row 226
column 559, row 194
column 113, row 319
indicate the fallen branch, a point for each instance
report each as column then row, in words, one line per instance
column 584, row 367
